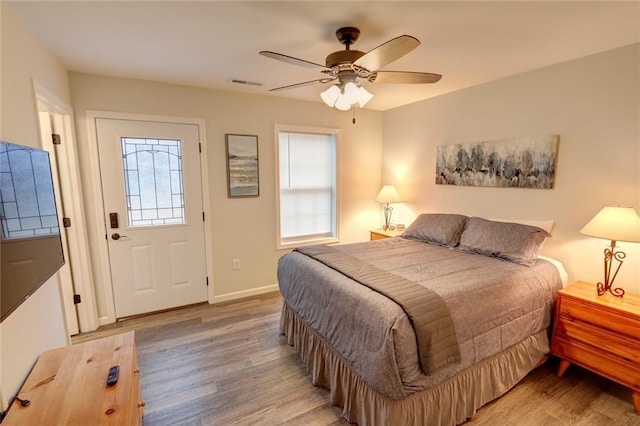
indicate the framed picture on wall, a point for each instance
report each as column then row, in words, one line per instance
column 242, row 166
column 522, row 162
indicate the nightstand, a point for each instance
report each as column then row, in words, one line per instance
column 599, row 333
column 379, row 234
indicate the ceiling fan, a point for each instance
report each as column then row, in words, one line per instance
column 349, row 66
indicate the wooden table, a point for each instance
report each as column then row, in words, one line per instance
column 68, row 386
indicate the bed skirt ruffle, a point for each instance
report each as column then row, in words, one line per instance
column 449, row 403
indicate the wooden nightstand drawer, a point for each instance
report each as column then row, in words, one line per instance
column 602, row 318
column 571, row 328
column 377, row 236
column 618, row 369
column 380, row 234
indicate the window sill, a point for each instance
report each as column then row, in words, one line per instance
column 290, row 245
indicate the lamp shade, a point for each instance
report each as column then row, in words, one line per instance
column 614, row 223
column 330, row 96
column 388, row 194
column 351, row 93
column 342, row 104
column 364, row 97
column 343, row 96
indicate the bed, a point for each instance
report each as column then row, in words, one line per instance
column 424, row 328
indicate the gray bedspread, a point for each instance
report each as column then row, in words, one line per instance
column 493, row 303
column 429, row 314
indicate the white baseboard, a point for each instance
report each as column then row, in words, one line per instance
column 102, row 321
column 242, row 294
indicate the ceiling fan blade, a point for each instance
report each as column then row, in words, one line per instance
column 304, row 83
column 291, row 60
column 404, row 77
column 387, row 52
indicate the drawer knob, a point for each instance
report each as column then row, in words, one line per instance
column 141, row 404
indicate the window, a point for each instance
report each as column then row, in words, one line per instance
column 307, row 182
column 153, row 181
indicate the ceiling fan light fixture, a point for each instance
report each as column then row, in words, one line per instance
column 330, row 96
column 351, row 93
column 365, row 97
column 347, row 66
column 343, row 97
column 342, row 104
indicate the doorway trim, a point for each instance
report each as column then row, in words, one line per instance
column 66, row 156
column 105, row 285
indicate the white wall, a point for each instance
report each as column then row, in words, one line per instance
column 38, row 324
column 242, row 229
column 593, row 103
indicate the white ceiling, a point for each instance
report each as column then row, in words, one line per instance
column 208, row 43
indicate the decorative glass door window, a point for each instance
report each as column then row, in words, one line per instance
column 153, row 181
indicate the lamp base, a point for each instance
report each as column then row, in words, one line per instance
column 387, row 217
column 611, row 254
column 604, row 288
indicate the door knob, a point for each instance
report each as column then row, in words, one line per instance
column 116, row 236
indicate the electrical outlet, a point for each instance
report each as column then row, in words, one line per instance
column 235, row 263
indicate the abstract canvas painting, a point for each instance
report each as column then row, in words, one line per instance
column 242, row 166
column 525, row 162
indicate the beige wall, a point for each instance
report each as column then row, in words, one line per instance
column 593, row 103
column 242, row 228
column 38, row 324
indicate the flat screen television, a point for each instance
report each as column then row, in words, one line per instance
column 30, row 243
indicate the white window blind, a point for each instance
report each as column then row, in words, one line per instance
column 307, row 164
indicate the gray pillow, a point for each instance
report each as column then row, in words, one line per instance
column 437, row 228
column 509, row 241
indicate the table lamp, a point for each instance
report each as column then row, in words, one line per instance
column 388, row 194
column 615, row 224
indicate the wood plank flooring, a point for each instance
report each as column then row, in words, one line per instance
column 227, row 365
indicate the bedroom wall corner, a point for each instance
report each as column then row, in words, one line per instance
column 38, row 324
column 593, row 103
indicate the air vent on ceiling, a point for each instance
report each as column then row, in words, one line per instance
column 248, row 83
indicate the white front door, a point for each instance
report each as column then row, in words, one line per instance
column 152, row 192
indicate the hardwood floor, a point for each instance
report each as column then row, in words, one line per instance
column 227, row 365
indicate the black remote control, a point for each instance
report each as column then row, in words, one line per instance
column 112, row 378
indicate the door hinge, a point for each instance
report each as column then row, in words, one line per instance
column 207, row 281
column 56, row 139
column 66, row 222
column 199, row 147
column 76, row 299
column 203, row 217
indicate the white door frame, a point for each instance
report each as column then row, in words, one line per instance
column 96, row 191
column 61, row 115
column 65, row 276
